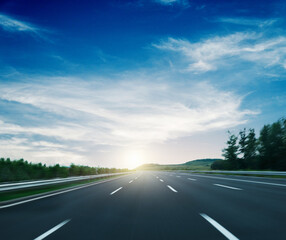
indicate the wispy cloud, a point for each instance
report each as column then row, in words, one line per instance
column 220, row 51
column 256, row 22
column 11, row 24
column 126, row 113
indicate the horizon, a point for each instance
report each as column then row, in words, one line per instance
column 121, row 84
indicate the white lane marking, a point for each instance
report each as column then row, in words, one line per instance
column 172, row 188
column 242, row 180
column 219, row 227
column 192, row 179
column 234, row 188
column 57, row 193
column 52, row 230
column 161, row 180
column 131, row 181
column 135, row 178
column 116, row 190
column 178, row 176
column 157, row 177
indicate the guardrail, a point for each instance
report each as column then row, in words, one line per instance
column 266, row 173
column 38, row 183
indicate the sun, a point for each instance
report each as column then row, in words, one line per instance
column 134, row 159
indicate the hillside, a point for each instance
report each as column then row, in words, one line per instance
column 199, row 164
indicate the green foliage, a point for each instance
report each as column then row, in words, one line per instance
column 250, row 154
column 231, row 151
column 242, row 148
column 268, row 152
column 18, row 170
column 220, row 165
column 272, row 146
column 264, row 147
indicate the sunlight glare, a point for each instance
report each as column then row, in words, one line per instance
column 134, row 159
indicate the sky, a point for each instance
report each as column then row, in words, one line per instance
column 121, row 83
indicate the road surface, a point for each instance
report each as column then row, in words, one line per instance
column 155, row 205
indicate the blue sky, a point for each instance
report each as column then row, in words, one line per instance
column 119, row 83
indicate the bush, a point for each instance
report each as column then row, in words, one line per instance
column 18, row 170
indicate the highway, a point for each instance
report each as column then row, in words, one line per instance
column 155, row 205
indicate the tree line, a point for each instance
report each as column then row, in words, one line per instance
column 245, row 151
column 17, row 170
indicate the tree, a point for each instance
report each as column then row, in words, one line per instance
column 266, row 152
column 264, row 147
column 276, row 145
column 17, row 170
column 282, row 160
column 250, row 152
column 242, row 148
column 231, row 151
column 271, row 146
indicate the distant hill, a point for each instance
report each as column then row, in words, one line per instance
column 199, row 164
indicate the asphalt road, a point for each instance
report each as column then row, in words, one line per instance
column 155, row 205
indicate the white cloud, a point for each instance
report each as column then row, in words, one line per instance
column 128, row 113
column 17, row 148
column 215, row 52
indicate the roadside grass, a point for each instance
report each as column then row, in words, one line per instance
column 11, row 195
